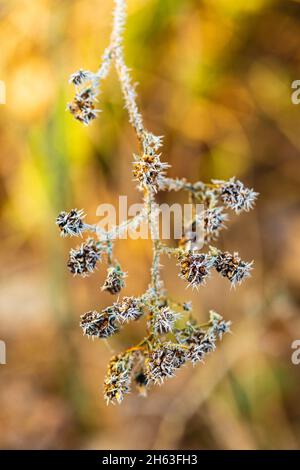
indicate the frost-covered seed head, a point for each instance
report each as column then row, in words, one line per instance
column 149, row 171
column 71, row 223
column 80, row 77
column 214, row 221
column 83, row 260
column 195, row 267
column 83, row 108
column 128, row 309
column 199, row 349
column 219, row 325
column 114, row 282
column 236, row 196
column 231, row 266
column 163, row 361
column 118, row 378
column 164, row 320
column 99, row 325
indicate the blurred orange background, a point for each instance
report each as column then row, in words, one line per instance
column 215, row 79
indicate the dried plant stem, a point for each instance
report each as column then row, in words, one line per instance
column 136, row 120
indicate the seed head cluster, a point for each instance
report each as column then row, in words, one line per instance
column 83, row 106
column 110, row 319
column 174, row 336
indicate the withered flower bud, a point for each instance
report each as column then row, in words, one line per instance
column 83, row 260
column 202, row 346
column 99, row 325
column 114, row 282
column 71, row 223
column 128, row 309
column 83, row 108
column 163, row 360
column 195, row 267
column 118, row 378
column 231, row 266
column 148, row 171
column 80, row 77
column 219, row 325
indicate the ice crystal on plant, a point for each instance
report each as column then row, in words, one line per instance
column 128, row 309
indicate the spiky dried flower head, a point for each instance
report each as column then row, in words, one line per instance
column 202, row 346
column 219, row 325
column 114, row 281
column 214, row 221
column 118, row 377
column 192, row 336
column 128, row 309
column 108, row 322
column 201, row 342
column 195, row 267
column 163, row 361
column 155, row 357
column 236, row 196
column 98, row 325
column 83, row 260
column 163, row 320
column 83, row 106
column 80, row 77
column 231, row 266
column 71, row 223
column 194, row 235
column 148, row 170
